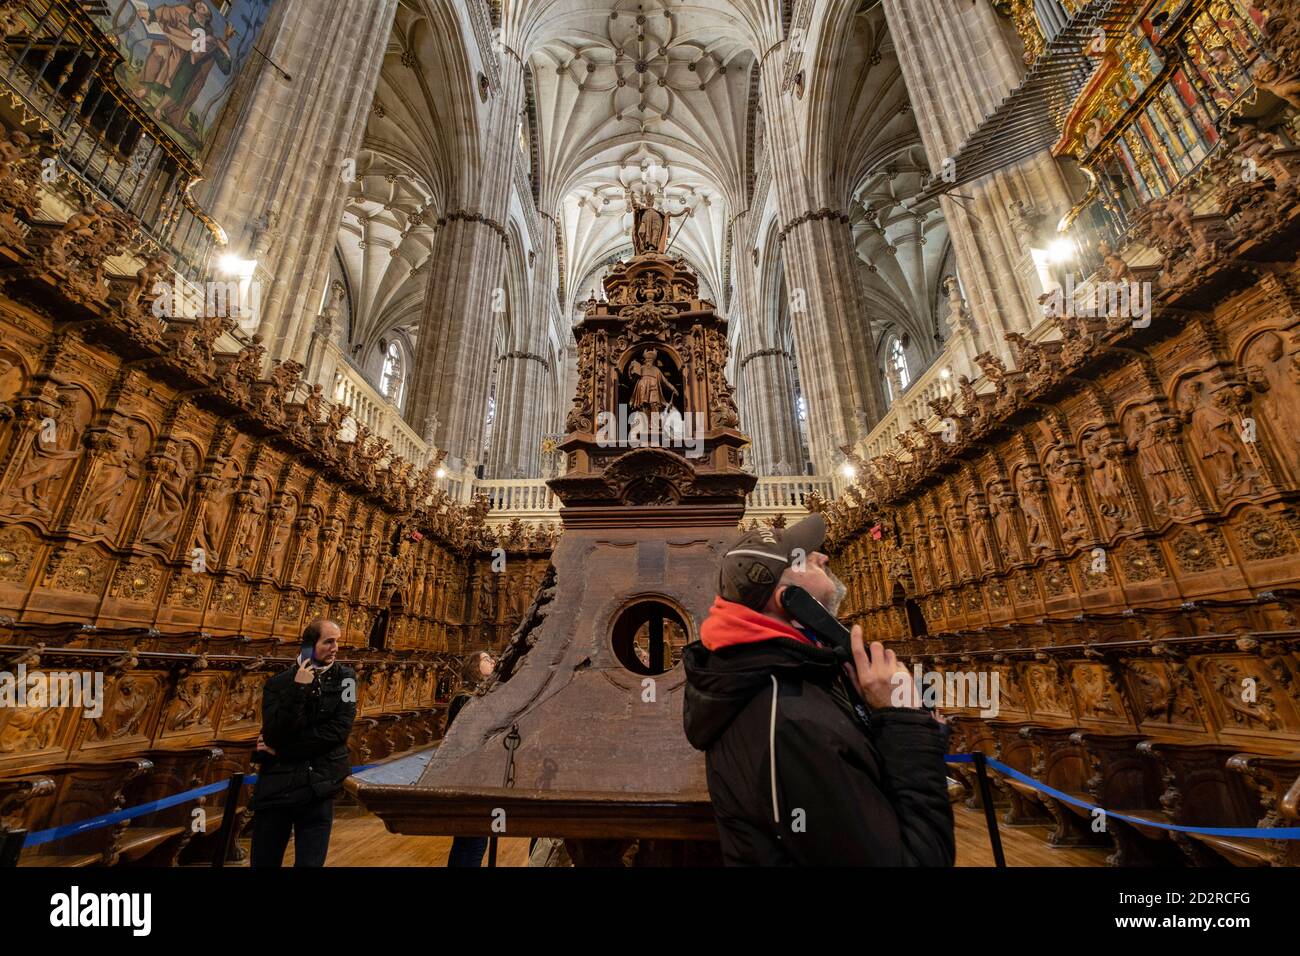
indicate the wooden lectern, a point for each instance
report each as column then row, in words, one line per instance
column 580, row 735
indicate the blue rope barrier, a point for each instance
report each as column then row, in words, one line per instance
column 130, row 813
column 1250, row 833
column 143, row 809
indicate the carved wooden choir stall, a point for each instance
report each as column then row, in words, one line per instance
column 1110, row 525
column 172, row 514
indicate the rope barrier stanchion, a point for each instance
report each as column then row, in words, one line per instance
column 226, row 835
column 990, row 815
column 11, row 844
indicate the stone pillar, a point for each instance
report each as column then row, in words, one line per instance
column 453, row 365
column 829, row 313
column 773, row 425
column 959, row 64
column 325, row 331
column 276, row 168
column 522, row 381
column 524, row 373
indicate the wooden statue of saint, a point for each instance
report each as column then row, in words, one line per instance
column 649, row 394
column 649, row 225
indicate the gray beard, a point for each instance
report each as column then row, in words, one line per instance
column 836, row 599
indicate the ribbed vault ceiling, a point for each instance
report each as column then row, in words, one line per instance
column 647, row 95
column 653, row 96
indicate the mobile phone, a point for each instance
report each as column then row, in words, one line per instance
column 809, row 612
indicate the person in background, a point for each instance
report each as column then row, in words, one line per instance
column 479, row 666
column 307, row 715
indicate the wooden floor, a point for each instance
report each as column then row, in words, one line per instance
column 1022, row 846
column 359, row 839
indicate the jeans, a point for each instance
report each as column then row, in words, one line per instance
column 310, row 824
column 467, row 851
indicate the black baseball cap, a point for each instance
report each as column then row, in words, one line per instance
column 751, row 568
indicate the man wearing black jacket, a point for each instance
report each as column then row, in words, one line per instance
column 811, row 759
column 307, row 715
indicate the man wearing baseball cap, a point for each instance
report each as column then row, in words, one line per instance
column 810, row 759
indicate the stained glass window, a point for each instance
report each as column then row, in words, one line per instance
column 390, row 379
column 898, row 360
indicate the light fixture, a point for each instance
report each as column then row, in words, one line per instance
column 440, row 473
column 233, row 265
column 1061, row 249
column 848, row 471
column 945, row 373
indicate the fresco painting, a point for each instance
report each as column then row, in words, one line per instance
column 182, row 59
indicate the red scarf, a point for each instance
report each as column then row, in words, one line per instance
column 729, row 624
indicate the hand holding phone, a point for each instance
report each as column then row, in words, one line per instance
column 306, row 671
column 809, row 612
column 873, row 668
column 881, row 677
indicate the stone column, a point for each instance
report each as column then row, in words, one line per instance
column 522, row 381
column 763, row 373
column 276, row 168
column 319, row 362
column 525, row 374
column 453, row 365
column 774, row 426
column 959, row 64
column 829, row 313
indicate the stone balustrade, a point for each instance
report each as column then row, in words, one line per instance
column 531, row 501
column 349, row 387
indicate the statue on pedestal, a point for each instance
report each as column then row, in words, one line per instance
column 648, row 394
column 649, row 225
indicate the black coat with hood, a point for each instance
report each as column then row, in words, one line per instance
column 800, row 773
column 307, row 725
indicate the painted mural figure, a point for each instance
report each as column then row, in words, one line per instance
column 181, row 58
column 178, row 64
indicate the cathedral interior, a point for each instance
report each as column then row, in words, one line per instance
column 340, row 309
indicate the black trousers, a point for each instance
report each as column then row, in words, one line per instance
column 467, row 851
column 310, row 824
